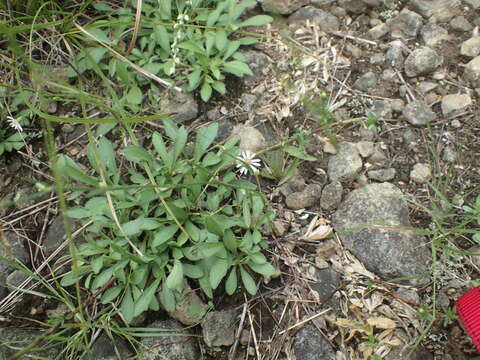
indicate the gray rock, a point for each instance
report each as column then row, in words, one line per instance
column 104, row 348
column 345, row 164
column 378, row 156
column 382, row 109
column 377, row 59
column 324, row 20
column 12, row 340
column 295, row 184
column 387, row 250
column 365, row 148
column 16, row 278
column 427, row 86
column 429, row 7
column 470, row 47
column 421, row 173
column 309, row 344
column 353, row 6
column 250, row 138
column 219, row 328
column 403, row 353
column 433, row 34
column 422, row 62
column 366, row 81
column 173, row 344
column 394, row 56
column 13, row 250
column 283, row 7
column 327, row 281
column 331, row 195
column 454, row 103
column 305, row 199
column 182, row 106
column 405, row 25
column 460, row 23
column 449, row 155
column 382, row 174
column 55, row 237
column 378, row 31
column 472, row 72
column 417, row 113
column 353, row 50
column 475, row 4
column 444, row 15
column 258, row 63
column 398, row 105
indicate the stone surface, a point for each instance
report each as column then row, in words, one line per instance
column 472, row 72
column 365, row 148
column 250, row 138
column 386, row 249
column 449, row 155
column 324, row 20
column 189, row 308
column 353, row 6
column 422, row 62
column 470, row 47
column 295, row 184
column 171, row 345
column 283, row 7
column 473, row 3
column 378, row 31
column 16, row 278
column 309, row 344
column 104, row 348
column 327, row 281
column 405, row 25
column 182, row 106
column 13, row 250
column 460, row 23
column 258, row 63
column 219, row 328
column 421, row 173
column 394, row 55
column 418, row 113
column 54, row 237
column 366, row 81
column 433, row 34
column 382, row 109
column 429, row 7
column 304, row 199
column 454, row 103
column 345, row 164
column 13, row 339
column 331, row 195
column 382, row 174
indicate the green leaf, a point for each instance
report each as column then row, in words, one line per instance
column 194, row 79
column 72, row 170
column 213, row 225
column 78, row 213
column 231, row 283
column 220, row 87
column 111, row 294
column 137, row 154
column 231, row 49
column 162, row 37
column 168, row 298
column 230, row 240
column 202, row 251
column 102, row 278
column 192, row 271
column 135, row 95
column 205, row 137
column 248, row 281
column 192, row 46
column 179, row 144
column 107, row 155
column 298, row 153
column 237, row 68
column 206, row 91
column 127, row 308
column 160, row 147
column 164, row 234
column 100, row 35
column 221, row 40
column 97, row 264
column 218, row 272
column 258, row 20
column 263, row 269
column 133, row 227
column 102, row 6
column 175, row 278
column 143, row 303
column 192, row 231
column 246, row 213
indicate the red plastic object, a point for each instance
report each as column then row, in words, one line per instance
column 468, row 310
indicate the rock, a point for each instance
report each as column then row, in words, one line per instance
column 309, row 344
column 16, row 278
column 366, row 81
column 331, row 195
column 353, row 6
column 377, row 59
column 250, row 138
column 382, row 109
column 433, row 34
column 219, row 328
column 295, row 184
column 279, row 228
column 189, row 308
column 428, row 7
column 283, row 7
column 398, row 105
column 418, row 113
column 403, row 353
column 365, row 148
column 421, row 173
column 382, row 174
column 353, row 50
column 327, row 281
column 395, row 56
column 173, row 344
column 345, row 164
column 475, row 4
column 444, row 15
column 104, row 348
column 422, row 62
column 12, row 249
column 378, row 31
column 182, row 106
column 324, row 20
column 258, row 63
column 427, row 86
column 378, row 157
column 305, row 199
column 449, row 155
column 405, row 25
column 55, row 237
column 454, row 103
column 388, row 250
column 470, row 47
column 460, row 23
column 472, row 72
column 13, row 339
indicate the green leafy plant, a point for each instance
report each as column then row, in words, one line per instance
column 190, row 42
column 180, row 212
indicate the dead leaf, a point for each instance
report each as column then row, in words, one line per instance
column 381, row 323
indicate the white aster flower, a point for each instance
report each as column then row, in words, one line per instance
column 248, row 162
column 14, row 123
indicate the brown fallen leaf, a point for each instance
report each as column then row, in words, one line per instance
column 381, row 323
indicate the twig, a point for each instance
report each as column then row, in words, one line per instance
column 304, row 321
column 138, row 17
column 233, row 349
column 350, row 37
column 253, row 334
